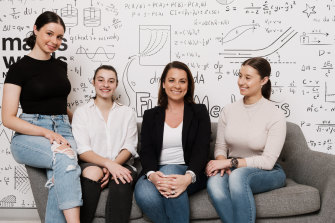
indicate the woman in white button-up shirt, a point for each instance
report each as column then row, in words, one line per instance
column 106, row 135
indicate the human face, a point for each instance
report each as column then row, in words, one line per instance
column 105, row 83
column 48, row 38
column 175, row 84
column 250, row 82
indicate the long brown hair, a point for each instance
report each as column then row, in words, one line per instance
column 189, row 97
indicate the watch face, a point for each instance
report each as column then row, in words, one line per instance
column 234, row 162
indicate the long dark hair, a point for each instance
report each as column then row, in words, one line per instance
column 162, row 96
column 264, row 69
column 43, row 19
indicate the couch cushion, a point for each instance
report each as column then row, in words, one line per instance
column 100, row 212
column 293, row 199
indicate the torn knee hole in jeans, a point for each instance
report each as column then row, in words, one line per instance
column 63, row 149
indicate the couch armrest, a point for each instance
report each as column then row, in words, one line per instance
column 309, row 167
column 38, row 178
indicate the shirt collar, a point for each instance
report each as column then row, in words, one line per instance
column 91, row 104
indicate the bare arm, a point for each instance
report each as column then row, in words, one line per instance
column 70, row 114
column 10, row 105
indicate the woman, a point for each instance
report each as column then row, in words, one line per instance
column 250, row 137
column 43, row 137
column 106, row 136
column 175, row 146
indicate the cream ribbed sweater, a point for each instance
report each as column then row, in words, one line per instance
column 255, row 132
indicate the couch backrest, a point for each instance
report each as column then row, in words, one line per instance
column 294, row 134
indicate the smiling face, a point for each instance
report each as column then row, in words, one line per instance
column 250, row 82
column 48, row 38
column 175, row 84
column 105, row 83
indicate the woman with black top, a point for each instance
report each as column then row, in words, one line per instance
column 43, row 137
column 175, row 140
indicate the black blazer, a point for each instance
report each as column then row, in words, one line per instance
column 195, row 137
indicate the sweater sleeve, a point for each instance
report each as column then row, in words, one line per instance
column 273, row 146
column 221, row 147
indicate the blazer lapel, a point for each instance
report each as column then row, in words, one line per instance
column 188, row 116
column 159, row 119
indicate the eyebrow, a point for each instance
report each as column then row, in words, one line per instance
column 112, row 78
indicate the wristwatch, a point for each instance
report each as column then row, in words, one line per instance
column 193, row 176
column 234, row 162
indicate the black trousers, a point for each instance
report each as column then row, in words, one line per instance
column 119, row 200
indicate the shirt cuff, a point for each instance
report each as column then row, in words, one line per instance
column 194, row 177
column 131, row 149
column 148, row 174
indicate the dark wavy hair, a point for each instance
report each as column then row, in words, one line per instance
column 162, row 96
column 264, row 69
column 43, row 19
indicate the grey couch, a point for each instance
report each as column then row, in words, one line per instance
column 309, row 195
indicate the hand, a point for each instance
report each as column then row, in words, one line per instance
column 105, row 179
column 52, row 136
column 119, row 172
column 214, row 166
column 177, row 184
column 161, row 182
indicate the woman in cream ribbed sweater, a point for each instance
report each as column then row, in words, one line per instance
column 250, row 137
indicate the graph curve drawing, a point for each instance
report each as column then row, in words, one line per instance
column 262, row 52
column 236, row 32
column 154, row 45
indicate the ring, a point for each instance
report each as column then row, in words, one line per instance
column 173, row 192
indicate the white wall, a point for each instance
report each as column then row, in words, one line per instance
column 213, row 37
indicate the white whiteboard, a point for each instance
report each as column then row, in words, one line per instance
column 139, row 37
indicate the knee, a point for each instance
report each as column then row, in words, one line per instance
column 120, row 189
column 93, row 173
column 216, row 187
column 144, row 192
column 63, row 149
column 238, row 179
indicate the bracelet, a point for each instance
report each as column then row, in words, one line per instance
column 193, row 176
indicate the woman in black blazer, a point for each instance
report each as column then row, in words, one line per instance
column 174, row 148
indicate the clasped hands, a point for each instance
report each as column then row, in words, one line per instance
column 170, row 186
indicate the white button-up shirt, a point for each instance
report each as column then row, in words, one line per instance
column 91, row 132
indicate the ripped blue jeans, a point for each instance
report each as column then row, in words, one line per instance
column 62, row 168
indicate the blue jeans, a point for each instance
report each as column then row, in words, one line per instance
column 161, row 209
column 232, row 194
column 63, row 171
